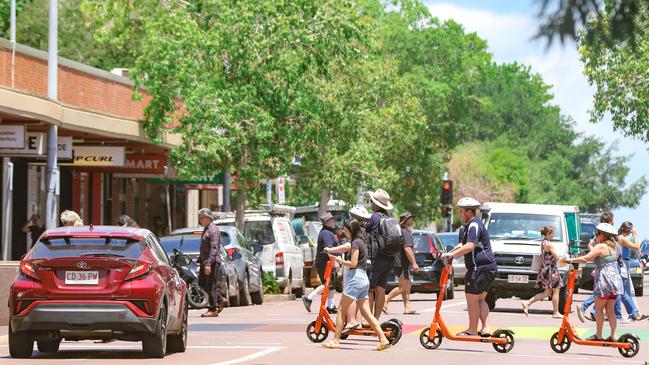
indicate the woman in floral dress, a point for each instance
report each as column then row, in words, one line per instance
column 549, row 278
column 608, row 282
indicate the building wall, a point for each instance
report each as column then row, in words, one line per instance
column 95, row 90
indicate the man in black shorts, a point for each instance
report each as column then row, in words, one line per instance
column 481, row 266
column 382, row 264
column 403, row 262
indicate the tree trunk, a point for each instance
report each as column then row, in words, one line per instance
column 324, row 200
column 241, row 197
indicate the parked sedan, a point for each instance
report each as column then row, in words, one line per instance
column 427, row 247
column 450, row 240
column 97, row 283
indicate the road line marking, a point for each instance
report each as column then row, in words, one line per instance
column 444, row 306
column 258, row 354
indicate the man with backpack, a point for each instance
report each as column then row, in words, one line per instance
column 384, row 233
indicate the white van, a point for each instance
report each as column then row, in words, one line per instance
column 514, row 230
column 275, row 243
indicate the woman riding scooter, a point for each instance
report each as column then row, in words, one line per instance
column 608, row 282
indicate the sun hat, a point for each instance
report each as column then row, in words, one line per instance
column 468, row 203
column 607, row 229
column 404, row 217
column 360, row 212
column 381, row 198
column 326, row 217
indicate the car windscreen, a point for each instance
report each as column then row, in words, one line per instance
column 588, row 228
column 187, row 242
column 259, row 232
column 520, row 226
column 423, row 243
column 50, row 248
column 449, row 240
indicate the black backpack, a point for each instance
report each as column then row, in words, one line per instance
column 390, row 241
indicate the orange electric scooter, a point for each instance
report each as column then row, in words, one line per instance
column 628, row 344
column 502, row 339
column 318, row 330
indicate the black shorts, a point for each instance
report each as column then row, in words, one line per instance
column 399, row 271
column 320, row 268
column 381, row 269
column 478, row 282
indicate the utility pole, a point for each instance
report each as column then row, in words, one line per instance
column 51, row 203
column 227, row 187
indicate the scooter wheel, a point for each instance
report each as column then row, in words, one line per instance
column 314, row 336
column 557, row 347
column 633, row 341
column 428, row 342
column 510, row 341
column 394, row 330
column 397, row 321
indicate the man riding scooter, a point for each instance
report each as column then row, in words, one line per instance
column 481, row 266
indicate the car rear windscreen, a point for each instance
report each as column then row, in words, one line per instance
column 423, row 243
column 188, row 243
column 50, row 248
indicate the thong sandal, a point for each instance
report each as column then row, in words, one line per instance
column 610, row 339
column 350, row 328
column 383, row 346
column 385, row 309
column 210, row 314
column 330, row 345
column 484, row 334
column 411, row 312
column 467, row 333
column 594, row 338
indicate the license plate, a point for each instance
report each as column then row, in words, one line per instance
column 518, row 279
column 81, row 277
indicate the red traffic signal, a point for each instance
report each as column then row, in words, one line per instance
column 446, row 197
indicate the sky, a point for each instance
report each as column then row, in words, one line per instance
column 509, row 27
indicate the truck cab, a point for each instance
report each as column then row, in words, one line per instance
column 514, row 230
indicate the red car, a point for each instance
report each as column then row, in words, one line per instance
column 97, row 283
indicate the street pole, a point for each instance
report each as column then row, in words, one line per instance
column 51, row 203
column 12, row 39
column 6, row 214
column 227, row 186
column 169, row 222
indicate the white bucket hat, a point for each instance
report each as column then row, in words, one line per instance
column 381, row 198
column 468, row 203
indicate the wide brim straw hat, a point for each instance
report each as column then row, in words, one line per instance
column 381, row 198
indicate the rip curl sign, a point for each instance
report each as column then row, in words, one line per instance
column 98, row 156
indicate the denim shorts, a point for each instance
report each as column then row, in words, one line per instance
column 358, row 285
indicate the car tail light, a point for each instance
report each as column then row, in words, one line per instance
column 140, row 268
column 142, row 305
column 27, row 268
column 279, row 258
column 231, row 251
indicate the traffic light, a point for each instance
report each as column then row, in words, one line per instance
column 447, row 192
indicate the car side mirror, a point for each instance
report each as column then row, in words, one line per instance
column 304, row 240
column 584, row 238
column 256, row 248
column 182, row 260
column 236, row 256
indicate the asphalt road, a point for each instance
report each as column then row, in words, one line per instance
column 274, row 333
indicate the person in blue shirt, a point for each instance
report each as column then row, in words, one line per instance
column 481, row 266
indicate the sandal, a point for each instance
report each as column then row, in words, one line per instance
column 210, row 314
column 411, row 312
column 594, row 338
column 558, row 316
column 383, row 346
column 484, row 334
column 385, row 309
column 467, row 333
column 525, row 309
column 610, row 339
column 330, row 345
column 352, row 327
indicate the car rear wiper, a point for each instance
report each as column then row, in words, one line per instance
column 102, row 254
